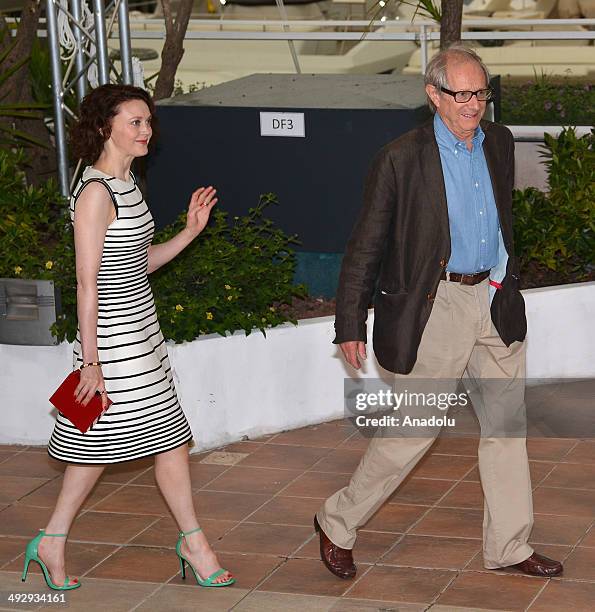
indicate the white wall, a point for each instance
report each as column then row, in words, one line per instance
column 249, row 386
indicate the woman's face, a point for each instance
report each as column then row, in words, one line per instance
column 131, row 129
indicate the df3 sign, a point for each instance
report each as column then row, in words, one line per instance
column 282, row 124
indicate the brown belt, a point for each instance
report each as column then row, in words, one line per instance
column 465, row 279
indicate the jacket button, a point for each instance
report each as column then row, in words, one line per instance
column 443, row 263
column 430, row 297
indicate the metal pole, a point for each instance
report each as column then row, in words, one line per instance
column 81, row 81
column 57, row 95
column 125, row 51
column 424, row 49
column 101, row 42
column 294, row 56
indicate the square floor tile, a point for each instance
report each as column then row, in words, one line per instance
column 286, row 457
column 11, row 548
column 200, row 475
column 122, row 473
column 266, row 481
column 424, row 491
column 571, row 476
column 405, row 584
column 550, row 529
column 347, row 604
column 19, row 520
column 451, row 522
column 325, row 435
column 561, row 595
column 589, row 539
column 464, row 495
column 138, row 563
column 134, row 499
column 259, row 601
column 573, row 502
column 101, row 595
column 456, row 445
column 263, row 539
column 583, row 452
column 191, row 599
column 287, row 511
column 305, row 576
column 107, row 527
column 341, row 460
column 447, row 467
column 13, row 488
column 316, row 484
column 227, row 506
column 549, row 449
column 395, row 517
column 499, row 592
column 432, row 552
column 581, row 564
column 46, row 495
column 32, row 465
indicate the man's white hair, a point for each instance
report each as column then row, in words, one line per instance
column 436, row 70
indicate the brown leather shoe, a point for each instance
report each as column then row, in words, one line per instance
column 538, row 565
column 338, row 560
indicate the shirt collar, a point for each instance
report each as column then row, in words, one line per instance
column 447, row 139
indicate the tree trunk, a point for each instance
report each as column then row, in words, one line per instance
column 450, row 24
column 173, row 49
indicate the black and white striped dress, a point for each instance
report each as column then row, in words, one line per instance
column 146, row 417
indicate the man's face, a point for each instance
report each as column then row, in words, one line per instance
column 461, row 119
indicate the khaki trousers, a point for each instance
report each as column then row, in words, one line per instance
column 458, row 337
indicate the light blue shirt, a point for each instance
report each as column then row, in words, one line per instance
column 472, row 212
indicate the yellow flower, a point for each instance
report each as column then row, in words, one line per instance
column 209, row 316
column 263, row 320
column 49, row 264
column 229, row 298
column 228, row 287
column 179, row 307
column 272, row 308
column 18, row 269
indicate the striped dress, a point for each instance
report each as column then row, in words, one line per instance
column 145, row 417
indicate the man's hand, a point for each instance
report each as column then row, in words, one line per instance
column 353, row 351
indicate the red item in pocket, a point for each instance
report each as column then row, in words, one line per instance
column 82, row 417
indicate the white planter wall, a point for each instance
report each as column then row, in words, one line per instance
column 248, row 386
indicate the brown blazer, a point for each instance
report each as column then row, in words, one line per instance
column 401, row 243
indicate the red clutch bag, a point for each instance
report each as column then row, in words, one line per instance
column 82, row 417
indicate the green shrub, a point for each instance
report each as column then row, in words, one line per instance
column 545, row 101
column 231, row 277
column 557, row 229
column 35, row 234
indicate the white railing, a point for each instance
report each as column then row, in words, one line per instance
column 425, row 30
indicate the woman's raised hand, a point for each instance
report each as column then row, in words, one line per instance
column 201, row 203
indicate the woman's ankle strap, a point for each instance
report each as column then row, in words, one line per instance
column 54, row 535
column 185, row 533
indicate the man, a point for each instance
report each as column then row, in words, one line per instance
column 435, row 235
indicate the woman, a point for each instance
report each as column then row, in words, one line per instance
column 119, row 345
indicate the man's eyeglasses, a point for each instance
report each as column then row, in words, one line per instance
column 464, row 96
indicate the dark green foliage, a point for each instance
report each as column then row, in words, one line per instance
column 557, row 229
column 234, row 276
column 545, row 101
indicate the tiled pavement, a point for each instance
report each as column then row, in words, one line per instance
column 256, row 499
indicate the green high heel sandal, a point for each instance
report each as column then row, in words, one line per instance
column 31, row 555
column 207, row 582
